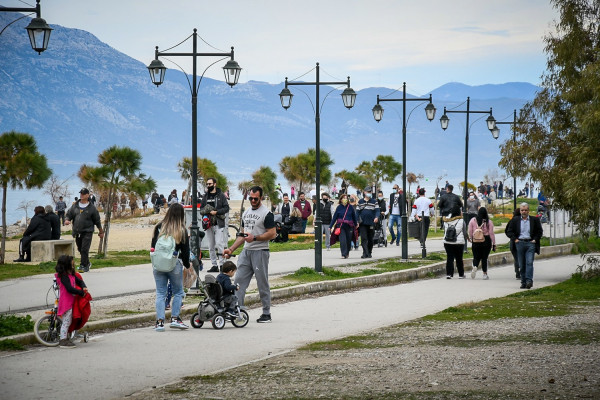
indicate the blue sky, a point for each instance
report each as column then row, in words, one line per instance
column 383, row 43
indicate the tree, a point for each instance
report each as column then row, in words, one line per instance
column 119, row 167
column 352, row 179
column 562, row 150
column 55, row 188
column 206, row 169
column 381, row 169
column 265, row 178
column 25, row 205
column 411, row 178
column 21, row 166
column 301, row 168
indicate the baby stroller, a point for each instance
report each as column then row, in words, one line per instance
column 212, row 308
column 542, row 213
column 380, row 236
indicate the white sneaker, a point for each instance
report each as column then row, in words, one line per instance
column 462, row 277
column 473, row 272
column 485, row 277
column 448, row 277
column 178, row 323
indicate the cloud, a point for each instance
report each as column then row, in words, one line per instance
column 481, row 31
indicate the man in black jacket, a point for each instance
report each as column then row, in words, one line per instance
column 450, row 203
column 84, row 217
column 217, row 212
column 54, row 222
column 526, row 231
column 326, row 212
column 39, row 229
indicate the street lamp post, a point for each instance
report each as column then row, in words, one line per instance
column 348, row 97
column 496, row 133
column 38, row 30
column 378, row 115
column 157, row 74
column 491, row 124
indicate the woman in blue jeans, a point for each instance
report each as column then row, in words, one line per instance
column 172, row 225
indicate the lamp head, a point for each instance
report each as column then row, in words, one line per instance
column 496, row 132
column 232, row 72
column 491, row 121
column 430, row 111
column 286, row 97
column 377, row 112
column 444, row 120
column 157, row 71
column 39, row 34
column 348, row 97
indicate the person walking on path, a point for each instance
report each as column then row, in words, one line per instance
column 526, row 231
column 172, row 225
column 395, row 214
column 423, row 206
column 326, row 213
column 513, row 247
column 345, row 219
column 368, row 215
column 84, row 217
column 483, row 242
column 258, row 225
column 215, row 205
column 54, row 222
column 304, row 207
column 61, row 208
column 450, row 203
column 455, row 231
column 473, row 205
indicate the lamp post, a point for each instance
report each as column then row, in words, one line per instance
column 378, row 115
column 38, row 30
column 348, row 97
column 496, row 134
column 491, row 124
column 157, row 74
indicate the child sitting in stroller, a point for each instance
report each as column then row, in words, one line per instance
column 229, row 298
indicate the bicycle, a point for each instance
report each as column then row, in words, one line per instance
column 47, row 327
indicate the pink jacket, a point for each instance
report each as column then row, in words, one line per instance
column 66, row 299
column 488, row 229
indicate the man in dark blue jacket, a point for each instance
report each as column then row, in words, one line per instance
column 39, row 229
column 368, row 215
column 526, row 231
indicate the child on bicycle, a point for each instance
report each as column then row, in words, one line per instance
column 224, row 278
column 67, row 283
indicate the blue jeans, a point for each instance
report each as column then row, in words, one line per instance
column 162, row 279
column 304, row 221
column 525, row 254
column 397, row 219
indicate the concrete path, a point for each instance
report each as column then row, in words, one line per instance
column 29, row 293
column 125, row 362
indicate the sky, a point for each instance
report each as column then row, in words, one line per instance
column 377, row 44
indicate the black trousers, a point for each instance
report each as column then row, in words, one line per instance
column 454, row 252
column 481, row 252
column 366, row 238
column 25, row 248
column 61, row 217
column 83, row 242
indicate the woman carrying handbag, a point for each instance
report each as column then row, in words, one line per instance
column 344, row 220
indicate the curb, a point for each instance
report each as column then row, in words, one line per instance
column 385, row 278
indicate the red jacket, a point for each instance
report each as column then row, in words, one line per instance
column 307, row 210
column 81, row 310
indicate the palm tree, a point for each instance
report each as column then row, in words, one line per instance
column 21, row 166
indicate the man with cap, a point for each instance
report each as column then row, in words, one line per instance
column 368, row 215
column 84, row 216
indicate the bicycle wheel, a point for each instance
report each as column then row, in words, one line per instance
column 47, row 330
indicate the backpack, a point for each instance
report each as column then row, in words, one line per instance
column 478, row 236
column 450, row 235
column 164, row 257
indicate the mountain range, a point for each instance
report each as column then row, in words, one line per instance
column 82, row 96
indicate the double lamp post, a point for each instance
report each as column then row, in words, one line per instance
column 38, row 30
column 348, row 97
column 157, row 73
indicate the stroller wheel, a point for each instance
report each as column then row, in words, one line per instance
column 86, row 337
column 242, row 321
column 218, row 321
column 195, row 321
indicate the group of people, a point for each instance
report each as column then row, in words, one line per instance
column 44, row 225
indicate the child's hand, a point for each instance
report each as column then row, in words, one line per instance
column 85, row 290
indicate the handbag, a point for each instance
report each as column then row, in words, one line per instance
column 338, row 230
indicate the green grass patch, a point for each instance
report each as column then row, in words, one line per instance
column 347, row 343
column 13, row 325
column 560, row 299
column 10, row 345
column 125, row 312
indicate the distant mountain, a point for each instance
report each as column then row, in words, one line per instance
column 82, row 96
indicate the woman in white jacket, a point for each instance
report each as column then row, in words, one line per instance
column 455, row 237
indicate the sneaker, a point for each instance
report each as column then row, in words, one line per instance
column 523, row 286
column 177, row 323
column 529, row 284
column 66, row 344
column 213, row 269
column 474, row 272
column 87, row 267
column 462, row 277
column 264, row 318
column 160, row 326
column 448, row 276
column 397, row 243
column 393, row 240
column 80, row 268
column 485, row 276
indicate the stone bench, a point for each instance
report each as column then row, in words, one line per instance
column 50, row 250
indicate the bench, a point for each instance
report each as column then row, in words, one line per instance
column 50, row 250
column 300, row 235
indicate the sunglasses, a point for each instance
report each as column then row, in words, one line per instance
column 254, row 198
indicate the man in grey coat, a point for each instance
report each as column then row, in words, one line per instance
column 84, row 217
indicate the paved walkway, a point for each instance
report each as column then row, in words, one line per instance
column 124, row 362
column 30, row 292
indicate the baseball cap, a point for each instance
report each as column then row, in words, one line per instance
column 368, row 189
column 84, row 191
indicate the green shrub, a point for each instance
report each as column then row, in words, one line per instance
column 13, row 325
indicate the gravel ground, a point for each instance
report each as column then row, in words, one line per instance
column 524, row 358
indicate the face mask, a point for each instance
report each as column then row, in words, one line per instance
column 380, row 197
column 344, row 201
column 367, row 195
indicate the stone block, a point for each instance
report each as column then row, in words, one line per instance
column 50, row 250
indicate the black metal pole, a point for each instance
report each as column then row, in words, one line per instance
column 317, row 222
column 514, row 176
column 403, row 216
column 466, row 189
column 194, row 228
